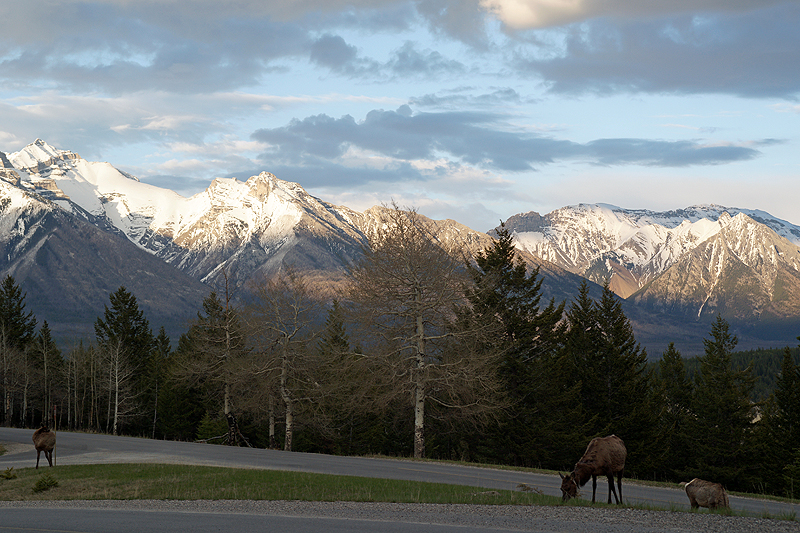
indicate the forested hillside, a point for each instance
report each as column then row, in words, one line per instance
column 766, row 367
column 420, row 354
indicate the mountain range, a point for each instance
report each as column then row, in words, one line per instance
column 73, row 231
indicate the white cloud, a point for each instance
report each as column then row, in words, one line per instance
column 528, row 14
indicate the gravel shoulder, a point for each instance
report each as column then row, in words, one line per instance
column 521, row 518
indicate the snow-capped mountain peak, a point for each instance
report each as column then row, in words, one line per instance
column 625, row 246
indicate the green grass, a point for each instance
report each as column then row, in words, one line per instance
column 185, row 482
column 182, row 482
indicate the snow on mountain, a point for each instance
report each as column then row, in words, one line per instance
column 745, row 270
column 227, row 234
column 701, row 259
column 628, row 247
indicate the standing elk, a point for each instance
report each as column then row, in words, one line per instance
column 44, row 440
column 605, row 456
column 703, row 493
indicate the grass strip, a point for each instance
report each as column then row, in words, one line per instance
column 186, row 482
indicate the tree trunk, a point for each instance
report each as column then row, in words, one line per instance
column 273, row 444
column 287, row 400
column 419, row 391
column 419, row 421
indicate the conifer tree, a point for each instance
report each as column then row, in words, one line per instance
column 612, row 370
column 673, row 391
column 124, row 336
column 506, row 298
column 724, row 412
column 623, row 402
column 778, row 433
column 51, row 367
column 157, row 372
column 17, row 329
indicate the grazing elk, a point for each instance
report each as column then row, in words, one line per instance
column 605, row 456
column 44, row 440
column 703, row 493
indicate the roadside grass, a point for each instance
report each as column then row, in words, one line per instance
column 185, row 482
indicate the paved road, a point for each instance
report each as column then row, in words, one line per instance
column 81, row 448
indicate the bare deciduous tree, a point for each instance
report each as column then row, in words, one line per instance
column 213, row 355
column 282, row 315
column 405, row 293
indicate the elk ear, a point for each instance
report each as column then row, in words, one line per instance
column 562, row 475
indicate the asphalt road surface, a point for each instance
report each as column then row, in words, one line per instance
column 81, row 448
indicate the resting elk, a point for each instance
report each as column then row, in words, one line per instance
column 605, row 456
column 703, row 493
column 44, row 440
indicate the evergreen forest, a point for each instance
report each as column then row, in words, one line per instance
column 420, row 354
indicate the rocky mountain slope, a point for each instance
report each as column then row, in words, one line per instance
column 67, row 266
column 630, row 248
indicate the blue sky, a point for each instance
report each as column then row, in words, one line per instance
column 468, row 109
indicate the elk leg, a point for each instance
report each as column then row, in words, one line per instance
column 611, row 488
column 38, row 453
column 594, row 487
column 619, row 485
column 49, row 456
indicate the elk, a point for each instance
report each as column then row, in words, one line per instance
column 44, row 440
column 604, row 456
column 703, row 493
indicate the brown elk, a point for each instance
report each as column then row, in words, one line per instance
column 703, row 493
column 44, row 440
column 605, row 456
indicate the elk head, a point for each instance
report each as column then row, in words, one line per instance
column 569, row 488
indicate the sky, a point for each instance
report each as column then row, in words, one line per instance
column 474, row 110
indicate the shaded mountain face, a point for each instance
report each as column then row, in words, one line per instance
column 68, row 267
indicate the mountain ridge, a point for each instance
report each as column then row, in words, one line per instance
column 235, row 232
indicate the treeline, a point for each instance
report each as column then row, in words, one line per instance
column 420, row 354
column 765, row 362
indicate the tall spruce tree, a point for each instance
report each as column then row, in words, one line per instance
column 17, row 329
column 673, row 390
column 124, row 336
column 612, row 369
column 211, row 358
column 506, row 298
column 50, row 366
column 157, row 364
column 724, row 412
column 778, row 432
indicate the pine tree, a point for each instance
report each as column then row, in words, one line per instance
column 506, row 298
column 51, row 367
column 611, row 367
column 124, row 336
column 17, row 329
column 159, row 358
column 724, row 412
column 778, row 432
column 623, row 403
column 673, row 391
column 333, row 340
